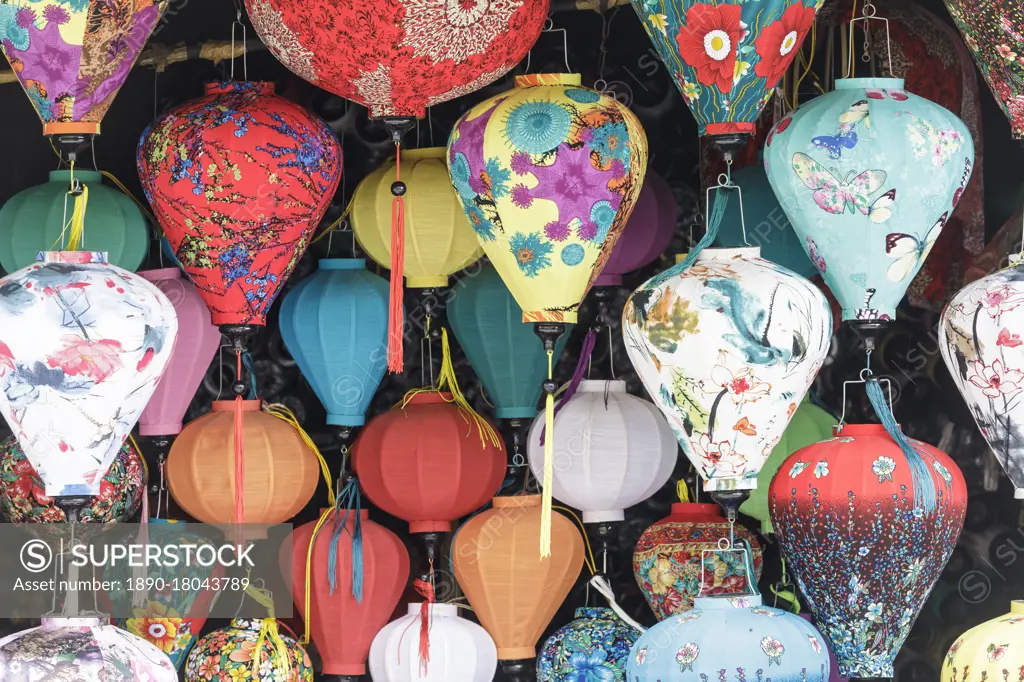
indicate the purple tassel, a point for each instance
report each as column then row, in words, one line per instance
column 589, row 341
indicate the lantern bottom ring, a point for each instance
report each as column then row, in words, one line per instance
column 608, row 516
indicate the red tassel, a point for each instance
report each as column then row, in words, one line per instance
column 239, row 455
column 426, row 590
column 396, row 360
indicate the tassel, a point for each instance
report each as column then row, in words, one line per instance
column 425, row 589
column 307, row 596
column 279, row 653
column 921, row 476
column 589, row 341
column 349, row 498
column 549, row 468
column 714, row 222
column 75, row 227
column 682, row 491
column 396, row 318
column 283, row 413
column 239, row 439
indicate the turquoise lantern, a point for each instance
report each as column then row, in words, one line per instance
column 869, row 174
column 334, row 323
column 33, row 219
column 503, row 350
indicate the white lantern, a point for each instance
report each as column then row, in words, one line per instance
column 460, row 650
column 611, row 450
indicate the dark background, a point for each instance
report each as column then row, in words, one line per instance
column 981, row 577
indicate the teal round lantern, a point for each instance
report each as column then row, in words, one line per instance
column 334, row 323
column 869, row 174
column 503, row 350
column 32, row 221
column 767, row 224
column 594, row 646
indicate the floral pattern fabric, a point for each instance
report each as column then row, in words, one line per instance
column 990, row 651
column 72, row 56
column 82, row 347
column 229, row 655
column 397, row 57
column 727, row 57
column 593, row 647
column 548, row 174
column 239, row 180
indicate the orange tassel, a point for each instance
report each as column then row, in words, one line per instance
column 396, row 318
column 426, row 590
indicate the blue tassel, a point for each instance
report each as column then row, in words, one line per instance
column 251, row 369
column 714, row 221
column 921, row 475
column 748, row 566
column 350, row 500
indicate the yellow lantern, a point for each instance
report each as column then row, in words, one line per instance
column 990, row 651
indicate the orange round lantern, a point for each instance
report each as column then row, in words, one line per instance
column 280, row 472
column 513, row 591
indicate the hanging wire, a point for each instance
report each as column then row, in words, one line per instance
column 245, row 48
column 869, row 15
column 549, row 27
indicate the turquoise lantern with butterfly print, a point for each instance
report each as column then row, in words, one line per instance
column 869, row 174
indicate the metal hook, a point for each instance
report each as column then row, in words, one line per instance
column 868, row 16
column 549, row 27
column 725, row 185
column 725, row 547
column 245, row 47
column 865, row 376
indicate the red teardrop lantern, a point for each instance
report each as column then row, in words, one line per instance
column 423, row 464
column 341, row 626
column 239, row 180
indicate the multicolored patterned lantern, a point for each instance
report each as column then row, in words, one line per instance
column 398, row 58
column 869, row 175
column 669, row 555
column 734, row 634
column 230, row 654
column 650, row 229
column 727, row 348
column 82, row 347
column 994, row 31
column 81, row 649
column 23, row 498
column 988, row 651
column 239, row 180
column 979, row 337
column 73, row 57
column 593, row 646
column 727, row 57
column 865, row 586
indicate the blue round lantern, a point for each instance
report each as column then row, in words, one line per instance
column 592, row 647
column 503, row 350
column 334, row 323
column 730, row 638
column 869, row 175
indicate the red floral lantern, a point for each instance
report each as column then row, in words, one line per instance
column 864, row 552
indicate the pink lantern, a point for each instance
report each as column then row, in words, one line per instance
column 197, row 343
column 647, row 234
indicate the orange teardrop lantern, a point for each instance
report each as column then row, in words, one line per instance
column 279, row 472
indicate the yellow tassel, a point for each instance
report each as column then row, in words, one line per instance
column 268, row 630
column 142, row 207
column 588, row 558
column 284, row 414
column 75, row 227
column 682, row 491
column 309, row 570
column 549, row 466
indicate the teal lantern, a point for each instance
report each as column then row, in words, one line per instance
column 334, row 323
column 32, row 221
column 869, row 175
column 488, row 324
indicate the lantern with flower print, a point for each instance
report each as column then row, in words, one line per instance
column 727, row 57
column 231, row 655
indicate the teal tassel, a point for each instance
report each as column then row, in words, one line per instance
column 350, row 500
column 748, row 566
column 714, row 222
column 921, row 475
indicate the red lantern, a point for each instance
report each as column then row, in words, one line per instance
column 423, row 464
column 864, row 552
column 342, row 626
column 239, row 180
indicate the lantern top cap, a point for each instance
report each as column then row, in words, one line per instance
column 600, row 385
column 862, row 430
column 531, row 79
column 55, row 623
column 1017, row 606
column 722, row 603
column 64, row 176
column 341, row 263
column 225, row 87
column 445, row 610
column 160, row 274
column 72, row 257
column 229, row 405
column 523, row 501
column 862, row 83
column 423, row 153
column 744, row 252
column 696, row 511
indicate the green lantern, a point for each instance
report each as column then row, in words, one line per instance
column 32, row 221
column 503, row 350
column 810, row 424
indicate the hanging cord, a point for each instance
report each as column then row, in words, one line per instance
column 589, row 341
column 139, row 596
column 549, row 465
column 283, row 413
column 73, row 229
column 396, row 317
column 333, row 226
column 784, row 590
column 268, row 632
column 142, row 207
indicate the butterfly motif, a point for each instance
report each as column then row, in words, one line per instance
column 963, row 183
column 926, row 139
column 881, row 208
column 898, row 95
column 1008, row 339
column 909, row 251
column 836, row 194
column 745, row 427
column 845, row 136
column 816, row 258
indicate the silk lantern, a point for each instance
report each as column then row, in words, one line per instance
column 593, row 646
column 83, row 345
column 726, row 58
column 23, row 498
column 81, row 649
column 343, row 626
column 869, row 174
column 515, row 592
column 994, row 31
column 419, row 461
column 197, row 343
column 279, row 472
column 501, row 348
column 459, row 649
column 730, row 634
column 648, row 233
column 72, row 58
column 727, row 348
column 612, row 450
column 980, row 341
column 865, row 587
column 239, row 180
column 245, row 651
column 670, row 554
column 334, row 323
column 987, row 651
column 33, row 220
